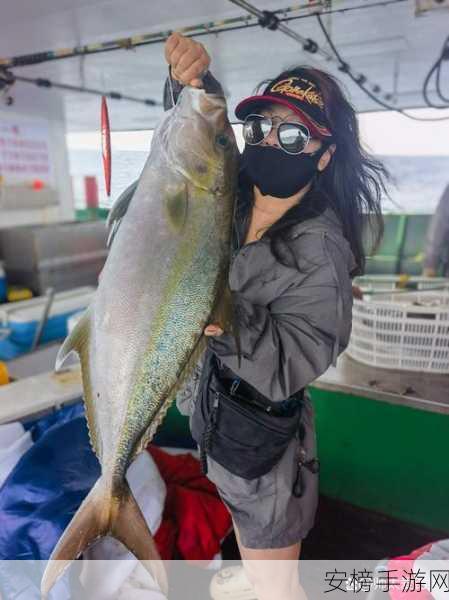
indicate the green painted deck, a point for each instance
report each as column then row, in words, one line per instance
column 402, row 247
column 383, row 440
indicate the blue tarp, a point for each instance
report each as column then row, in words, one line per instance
column 46, row 487
column 44, row 490
column 39, row 498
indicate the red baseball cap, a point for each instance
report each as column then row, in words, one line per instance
column 299, row 93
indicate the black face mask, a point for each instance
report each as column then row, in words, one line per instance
column 277, row 173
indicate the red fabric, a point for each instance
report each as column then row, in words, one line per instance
column 195, row 520
column 404, row 566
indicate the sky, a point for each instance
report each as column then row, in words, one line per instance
column 385, row 133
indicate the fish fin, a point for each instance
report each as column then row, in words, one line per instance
column 183, row 375
column 112, row 231
column 99, row 514
column 191, row 363
column 118, row 211
column 78, row 341
column 150, row 432
column 89, row 523
column 176, row 204
column 225, row 314
column 129, row 526
column 75, row 341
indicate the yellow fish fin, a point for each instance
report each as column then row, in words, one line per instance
column 78, row 341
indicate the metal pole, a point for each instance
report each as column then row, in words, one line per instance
column 50, row 293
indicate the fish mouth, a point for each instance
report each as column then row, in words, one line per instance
column 203, row 103
column 211, row 102
column 187, row 137
column 211, row 108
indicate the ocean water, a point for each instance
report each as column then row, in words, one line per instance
column 419, row 181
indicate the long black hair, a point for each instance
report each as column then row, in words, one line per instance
column 353, row 183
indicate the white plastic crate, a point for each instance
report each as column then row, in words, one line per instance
column 385, row 283
column 402, row 330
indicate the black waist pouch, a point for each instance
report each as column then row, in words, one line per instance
column 238, row 427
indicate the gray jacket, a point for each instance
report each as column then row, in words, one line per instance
column 293, row 321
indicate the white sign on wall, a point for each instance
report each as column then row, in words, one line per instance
column 24, row 152
column 27, row 178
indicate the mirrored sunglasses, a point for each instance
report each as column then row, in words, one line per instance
column 292, row 137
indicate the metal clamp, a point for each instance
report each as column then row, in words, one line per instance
column 269, row 20
column 7, row 80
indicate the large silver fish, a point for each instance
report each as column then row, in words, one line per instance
column 165, row 278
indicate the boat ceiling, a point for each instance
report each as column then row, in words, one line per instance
column 384, row 41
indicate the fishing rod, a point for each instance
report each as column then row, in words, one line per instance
column 254, row 18
column 207, row 28
column 7, row 79
column 271, row 21
column 334, row 11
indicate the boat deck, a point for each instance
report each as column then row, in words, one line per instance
column 424, row 391
column 36, row 395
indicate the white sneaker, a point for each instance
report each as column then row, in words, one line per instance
column 231, row 583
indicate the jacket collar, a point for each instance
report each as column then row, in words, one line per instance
column 328, row 220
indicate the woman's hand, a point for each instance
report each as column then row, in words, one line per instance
column 188, row 59
column 357, row 292
column 213, row 330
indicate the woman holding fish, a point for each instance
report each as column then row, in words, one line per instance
column 304, row 182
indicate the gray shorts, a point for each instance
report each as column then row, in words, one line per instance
column 265, row 511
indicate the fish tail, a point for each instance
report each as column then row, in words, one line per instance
column 102, row 513
column 88, row 524
column 129, row 526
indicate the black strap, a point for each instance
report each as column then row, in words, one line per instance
column 238, row 387
column 206, row 440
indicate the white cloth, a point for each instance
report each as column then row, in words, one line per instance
column 14, row 442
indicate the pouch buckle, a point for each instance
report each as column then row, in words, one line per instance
column 234, row 385
column 312, row 465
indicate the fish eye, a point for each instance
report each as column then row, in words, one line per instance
column 222, row 140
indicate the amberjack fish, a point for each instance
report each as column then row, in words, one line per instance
column 164, row 280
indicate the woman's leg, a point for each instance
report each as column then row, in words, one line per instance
column 273, row 572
